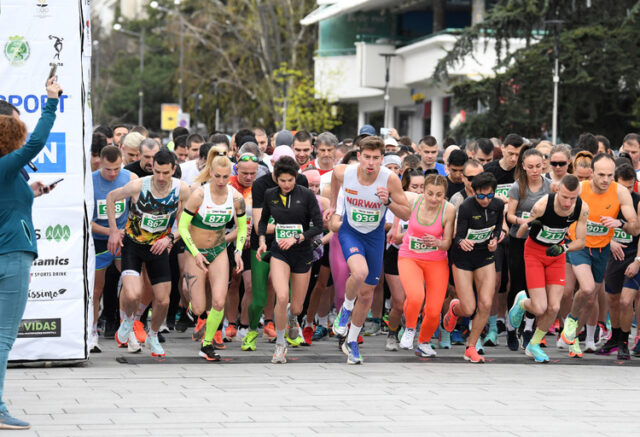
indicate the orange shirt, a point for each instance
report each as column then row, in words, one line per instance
column 605, row 204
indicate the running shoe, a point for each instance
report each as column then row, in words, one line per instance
column 184, row 322
column 110, row 328
column 574, row 350
column 568, row 334
column 406, row 342
column 208, row 352
column 269, row 331
column 307, row 334
column 360, row 339
column 457, row 338
column 479, row 347
column 372, row 326
column 610, row 346
column 218, row 343
column 391, row 344
column 122, row 334
column 516, row 313
column 450, row 319
column 560, row 344
column 605, row 333
column 512, row 340
column 502, row 328
column 230, row 332
column 340, row 323
column 7, row 421
column 294, row 341
column 425, row 350
column 534, row 351
column 294, row 328
column 153, row 345
column 353, row 352
column 249, row 342
column 555, row 328
column 526, row 338
column 636, row 347
column 94, row 346
column 320, row 333
column 163, row 328
column 543, row 342
column 623, row 351
column 141, row 334
column 198, row 331
column 280, row 354
column 133, row 345
column 590, row 347
column 444, row 341
column 491, row 339
column 471, row 354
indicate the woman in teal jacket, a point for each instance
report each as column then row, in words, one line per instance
column 17, row 236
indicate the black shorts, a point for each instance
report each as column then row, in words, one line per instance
column 391, row 261
column 134, row 254
column 324, row 261
column 473, row 260
column 299, row 261
column 179, row 247
column 246, row 258
column 502, row 255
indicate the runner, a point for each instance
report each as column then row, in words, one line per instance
column 560, row 162
column 155, row 202
column 479, row 228
column 544, row 255
column 423, row 264
column 369, row 191
column 605, row 199
column 202, row 227
column 110, row 176
column 293, row 208
column 622, row 279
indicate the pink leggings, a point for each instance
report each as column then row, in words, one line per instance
column 339, row 271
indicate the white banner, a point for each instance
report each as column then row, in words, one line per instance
column 34, row 35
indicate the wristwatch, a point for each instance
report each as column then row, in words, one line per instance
column 297, row 237
column 389, row 202
column 637, row 259
column 171, row 237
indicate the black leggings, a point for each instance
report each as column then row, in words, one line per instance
column 517, row 270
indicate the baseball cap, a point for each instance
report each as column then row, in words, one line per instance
column 284, row 138
column 367, row 129
column 281, row 151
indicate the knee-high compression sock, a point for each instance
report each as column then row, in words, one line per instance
column 213, row 321
column 537, row 336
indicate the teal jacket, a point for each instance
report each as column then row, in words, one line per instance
column 16, row 197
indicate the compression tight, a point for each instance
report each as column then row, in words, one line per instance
column 339, row 271
column 259, row 282
column 416, row 276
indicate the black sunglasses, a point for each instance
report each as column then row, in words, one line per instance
column 558, row 163
column 469, row 178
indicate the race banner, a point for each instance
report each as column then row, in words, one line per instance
column 34, row 36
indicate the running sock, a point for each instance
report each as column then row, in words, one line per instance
column 280, row 336
column 591, row 333
column 323, row 321
column 528, row 324
column 348, row 304
column 153, row 333
column 141, row 308
column 493, row 323
column 537, row 336
column 123, row 315
column 392, row 333
column 624, row 337
column 616, row 334
column 213, row 322
column 354, row 331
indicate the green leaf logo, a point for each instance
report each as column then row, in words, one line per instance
column 58, row 233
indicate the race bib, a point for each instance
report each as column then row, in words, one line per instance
column 620, row 236
column 551, row 235
column 102, row 208
column 480, row 235
column 287, row 231
column 417, row 245
column 596, row 229
column 217, row 216
column 154, row 223
column 365, row 216
column 503, row 190
column 526, row 215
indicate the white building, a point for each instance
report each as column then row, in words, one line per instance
column 349, row 67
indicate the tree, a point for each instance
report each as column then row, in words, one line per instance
column 599, row 79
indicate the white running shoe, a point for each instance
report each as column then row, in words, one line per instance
column 392, row 343
column 242, row 332
column 154, row 346
column 590, row 346
column 164, row 329
column 560, row 344
column 406, row 342
column 133, row 345
column 280, row 354
column 425, row 350
column 93, row 345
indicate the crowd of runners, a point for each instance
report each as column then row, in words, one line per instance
column 300, row 238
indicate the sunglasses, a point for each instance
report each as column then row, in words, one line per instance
column 486, row 196
column 469, row 178
column 545, row 156
column 246, row 158
column 558, row 163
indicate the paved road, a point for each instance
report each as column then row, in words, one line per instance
column 117, row 394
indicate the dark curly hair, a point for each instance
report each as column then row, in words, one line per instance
column 13, row 134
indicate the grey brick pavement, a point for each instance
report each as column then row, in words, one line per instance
column 318, row 394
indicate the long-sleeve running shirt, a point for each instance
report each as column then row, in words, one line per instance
column 479, row 224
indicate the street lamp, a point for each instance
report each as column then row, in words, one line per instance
column 118, row 27
column 387, row 66
column 556, row 77
column 155, row 5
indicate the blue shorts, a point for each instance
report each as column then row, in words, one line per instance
column 104, row 258
column 597, row 259
column 370, row 245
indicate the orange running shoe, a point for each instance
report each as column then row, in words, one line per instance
column 269, row 330
column 543, row 342
column 450, row 319
column 230, row 332
column 217, row 341
column 307, row 334
column 198, row 331
column 141, row 334
column 472, row 355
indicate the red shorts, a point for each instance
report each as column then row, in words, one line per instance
column 542, row 270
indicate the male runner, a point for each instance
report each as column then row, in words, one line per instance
column 155, row 202
column 428, row 151
column 369, row 190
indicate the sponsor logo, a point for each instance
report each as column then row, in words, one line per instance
column 57, row 233
column 353, row 250
column 57, row 261
column 53, row 158
column 57, row 46
column 42, row 7
column 354, row 192
column 46, row 294
column 39, row 328
column 364, row 203
column 32, row 103
column 17, row 50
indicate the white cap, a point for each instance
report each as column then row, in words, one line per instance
column 390, row 141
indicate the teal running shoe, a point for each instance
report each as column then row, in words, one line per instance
column 516, row 313
column 535, row 351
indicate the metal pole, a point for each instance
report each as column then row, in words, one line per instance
column 387, row 64
column 554, row 126
column 141, row 90
column 284, row 106
column 181, row 61
column 217, row 106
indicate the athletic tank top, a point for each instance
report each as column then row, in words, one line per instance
column 605, row 204
column 620, row 236
column 211, row 216
column 554, row 227
column 149, row 218
column 412, row 244
column 101, row 188
column 363, row 208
